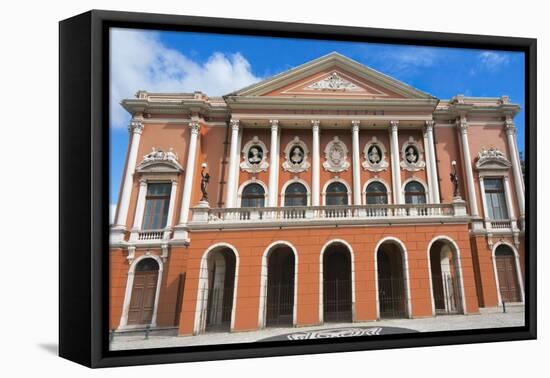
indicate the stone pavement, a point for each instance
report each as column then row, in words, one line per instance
column 487, row 318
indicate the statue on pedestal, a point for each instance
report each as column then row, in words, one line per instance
column 454, row 180
column 205, row 178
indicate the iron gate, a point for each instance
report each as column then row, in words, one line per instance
column 447, row 294
column 280, row 305
column 337, row 303
column 392, row 298
column 220, row 305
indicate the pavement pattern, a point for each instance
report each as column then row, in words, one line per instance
column 487, row 318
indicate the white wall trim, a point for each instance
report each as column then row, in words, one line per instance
column 404, row 256
column 321, row 278
column 518, row 270
column 252, row 181
column 123, row 324
column 333, row 180
column 263, row 281
column 292, row 181
column 201, row 305
column 458, row 258
column 383, row 182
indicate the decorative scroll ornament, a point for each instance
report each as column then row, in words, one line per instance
column 492, row 158
column 375, row 156
column 296, row 153
column 336, row 156
column 334, row 82
column 160, row 159
column 412, row 156
column 254, row 156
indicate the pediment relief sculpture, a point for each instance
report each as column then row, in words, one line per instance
column 412, row 156
column 158, row 159
column 375, row 156
column 336, row 156
column 492, row 158
column 296, row 154
column 334, row 82
column 254, row 156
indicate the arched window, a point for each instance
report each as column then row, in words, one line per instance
column 337, row 194
column 415, row 193
column 296, row 195
column 376, row 193
column 253, row 196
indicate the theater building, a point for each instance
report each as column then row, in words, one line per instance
column 335, row 193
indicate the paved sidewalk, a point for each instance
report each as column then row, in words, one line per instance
column 487, row 318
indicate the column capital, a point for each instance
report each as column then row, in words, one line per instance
column 234, row 124
column 509, row 125
column 429, row 126
column 274, row 124
column 135, row 126
column 355, row 125
column 462, row 124
column 394, row 125
column 195, row 127
column 315, row 124
column 143, row 181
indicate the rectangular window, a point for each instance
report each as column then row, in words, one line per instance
column 156, row 206
column 495, row 198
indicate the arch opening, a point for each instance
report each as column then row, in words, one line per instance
column 144, row 288
column 392, row 282
column 507, row 274
column 218, row 290
column 446, row 278
column 280, row 287
column 337, row 284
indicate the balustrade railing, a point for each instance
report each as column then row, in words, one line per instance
column 151, row 234
column 501, row 224
column 319, row 213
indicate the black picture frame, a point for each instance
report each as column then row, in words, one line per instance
column 83, row 196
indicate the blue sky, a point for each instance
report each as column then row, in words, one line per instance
column 219, row 64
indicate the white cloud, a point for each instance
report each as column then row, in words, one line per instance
column 493, row 60
column 405, row 61
column 139, row 60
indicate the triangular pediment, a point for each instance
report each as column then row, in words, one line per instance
column 332, row 75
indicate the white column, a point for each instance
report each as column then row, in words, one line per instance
column 274, row 164
column 233, row 169
column 140, row 206
column 135, row 128
column 516, row 168
column 356, row 163
column 462, row 125
column 171, row 206
column 189, row 176
column 395, row 170
column 433, row 181
column 509, row 203
column 315, row 165
column 484, row 203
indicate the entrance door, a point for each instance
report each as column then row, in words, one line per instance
column 391, row 283
column 337, row 297
column 507, row 274
column 445, row 279
column 280, row 288
column 144, row 290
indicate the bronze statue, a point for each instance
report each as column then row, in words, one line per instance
column 204, row 183
column 454, row 180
